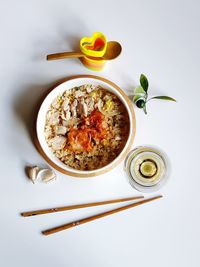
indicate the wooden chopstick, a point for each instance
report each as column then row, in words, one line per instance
column 80, row 206
column 95, row 217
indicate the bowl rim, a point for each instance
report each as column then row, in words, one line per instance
column 78, row 173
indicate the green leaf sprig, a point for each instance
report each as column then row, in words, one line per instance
column 140, row 97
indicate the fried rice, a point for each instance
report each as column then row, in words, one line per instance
column 86, row 127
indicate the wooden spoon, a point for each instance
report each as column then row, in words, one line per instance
column 113, row 51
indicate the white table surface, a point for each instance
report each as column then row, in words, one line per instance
column 160, row 39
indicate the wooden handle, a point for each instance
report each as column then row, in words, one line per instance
column 95, row 217
column 73, row 207
column 65, row 55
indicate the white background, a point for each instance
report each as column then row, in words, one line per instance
column 160, row 39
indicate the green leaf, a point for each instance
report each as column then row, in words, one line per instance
column 144, row 82
column 139, row 93
column 163, row 97
column 139, row 89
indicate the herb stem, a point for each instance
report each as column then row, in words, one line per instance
column 145, row 109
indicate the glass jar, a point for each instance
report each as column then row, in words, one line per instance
column 147, row 168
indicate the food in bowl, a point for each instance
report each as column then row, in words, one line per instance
column 86, row 127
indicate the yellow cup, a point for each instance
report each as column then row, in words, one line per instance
column 93, row 64
column 94, row 46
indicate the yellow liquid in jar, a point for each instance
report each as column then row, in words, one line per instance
column 145, row 166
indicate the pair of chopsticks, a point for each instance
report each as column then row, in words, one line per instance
column 88, row 219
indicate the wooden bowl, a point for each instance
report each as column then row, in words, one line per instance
column 59, row 89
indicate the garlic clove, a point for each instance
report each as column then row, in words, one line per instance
column 32, row 173
column 46, row 175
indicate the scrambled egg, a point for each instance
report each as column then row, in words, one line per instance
column 93, row 94
column 108, row 105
